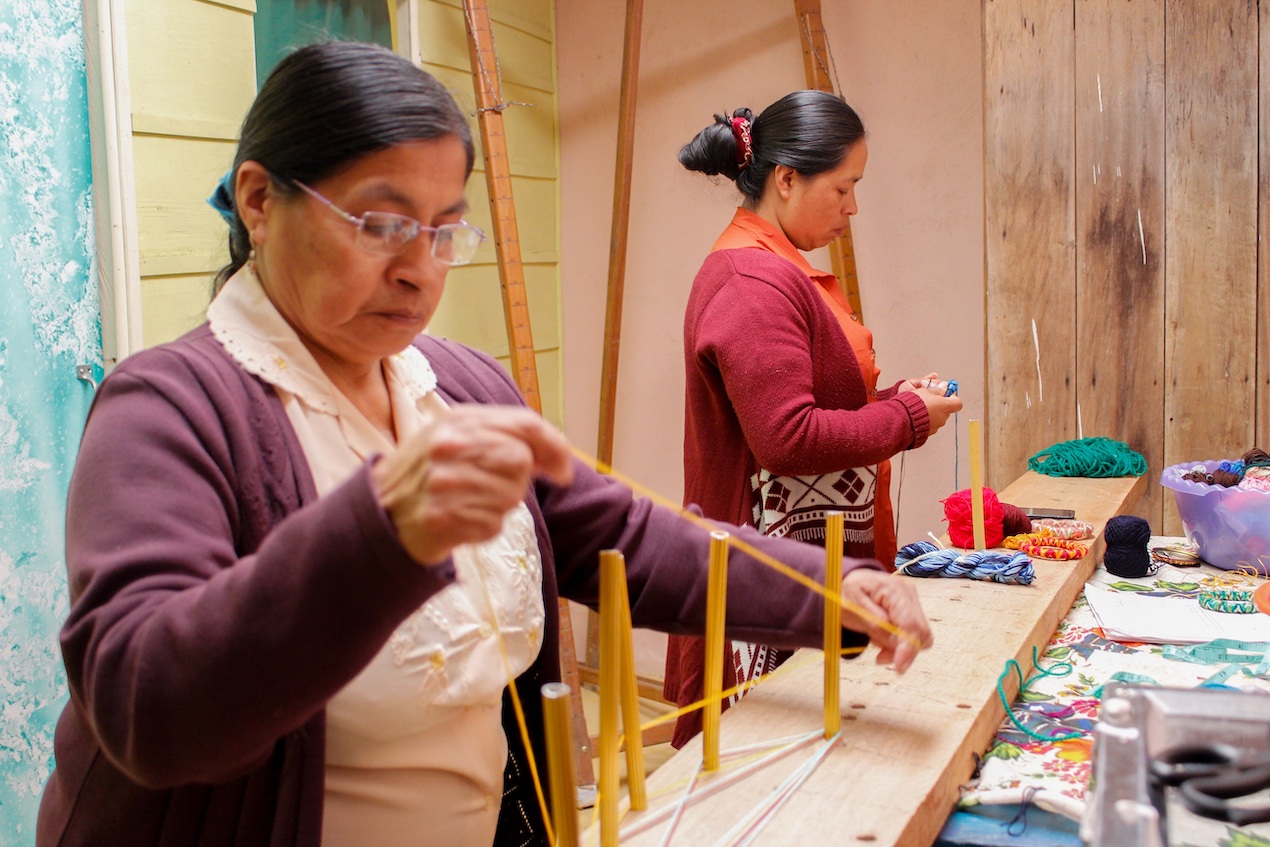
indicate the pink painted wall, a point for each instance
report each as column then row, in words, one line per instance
column 911, row 68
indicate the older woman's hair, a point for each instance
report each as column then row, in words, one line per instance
column 809, row 131
column 327, row 105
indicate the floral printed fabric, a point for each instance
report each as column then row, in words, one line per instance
column 1064, row 706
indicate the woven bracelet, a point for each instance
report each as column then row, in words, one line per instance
column 1231, row 602
column 1064, row 528
column 1054, row 548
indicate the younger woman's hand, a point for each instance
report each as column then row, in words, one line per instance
column 938, row 407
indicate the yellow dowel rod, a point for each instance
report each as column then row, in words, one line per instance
column 833, row 620
column 716, row 610
column 556, row 717
column 612, row 577
column 976, row 483
column 630, row 711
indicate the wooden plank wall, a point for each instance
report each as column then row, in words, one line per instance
column 1122, row 167
column 192, row 71
column 471, row 311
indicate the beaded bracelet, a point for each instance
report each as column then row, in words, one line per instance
column 1062, row 549
column 1232, row 602
column 1065, row 528
column 1178, row 555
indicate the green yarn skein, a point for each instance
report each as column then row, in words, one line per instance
column 1096, row 457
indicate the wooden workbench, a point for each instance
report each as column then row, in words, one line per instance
column 908, row 742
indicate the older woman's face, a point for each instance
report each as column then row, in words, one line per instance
column 351, row 307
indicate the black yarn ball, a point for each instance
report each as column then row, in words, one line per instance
column 1127, row 554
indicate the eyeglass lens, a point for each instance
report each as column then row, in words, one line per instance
column 453, row 244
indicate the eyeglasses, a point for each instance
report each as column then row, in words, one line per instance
column 388, row 234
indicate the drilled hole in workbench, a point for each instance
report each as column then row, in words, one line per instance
column 857, row 705
column 866, row 837
column 963, row 705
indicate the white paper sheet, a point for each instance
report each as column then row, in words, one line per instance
column 1125, row 616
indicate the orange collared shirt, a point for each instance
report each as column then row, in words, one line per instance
column 749, row 229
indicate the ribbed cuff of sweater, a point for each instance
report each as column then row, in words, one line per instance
column 918, row 417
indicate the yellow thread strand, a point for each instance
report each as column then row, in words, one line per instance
column 750, row 550
column 521, row 724
column 738, row 689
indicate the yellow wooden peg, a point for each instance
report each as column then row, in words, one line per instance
column 976, row 483
column 612, row 579
column 630, row 709
column 833, row 620
column 556, row 717
column 716, row 610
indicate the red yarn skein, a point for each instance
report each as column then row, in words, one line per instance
column 960, row 517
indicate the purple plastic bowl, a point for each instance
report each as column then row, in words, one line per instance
column 1231, row 526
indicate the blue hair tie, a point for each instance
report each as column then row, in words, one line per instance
column 222, row 199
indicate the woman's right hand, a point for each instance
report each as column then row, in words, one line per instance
column 939, row 407
column 454, row 482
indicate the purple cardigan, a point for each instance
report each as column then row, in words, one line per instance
column 217, row 603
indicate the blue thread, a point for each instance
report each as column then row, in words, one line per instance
column 921, row 558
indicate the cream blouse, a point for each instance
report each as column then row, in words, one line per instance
column 415, row 748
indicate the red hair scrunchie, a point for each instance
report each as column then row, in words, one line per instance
column 744, row 149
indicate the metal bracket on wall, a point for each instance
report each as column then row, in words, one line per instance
column 85, row 372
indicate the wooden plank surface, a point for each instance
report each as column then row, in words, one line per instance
column 1211, row 276
column 1029, row 393
column 1263, row 246
column 908, row 741
column 1120, row 230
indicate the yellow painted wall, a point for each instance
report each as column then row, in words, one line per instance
column 472, row 310
column 192, row 72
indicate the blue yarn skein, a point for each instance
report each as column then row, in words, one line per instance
column 921, row 558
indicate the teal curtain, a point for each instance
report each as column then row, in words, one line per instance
column 283, row 25
column 49, row 324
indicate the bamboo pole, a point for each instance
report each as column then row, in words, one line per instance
column 511, row 273
column 617, row 262
column 816, row 61
column 620, row 225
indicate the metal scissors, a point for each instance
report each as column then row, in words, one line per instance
column 1210, row 776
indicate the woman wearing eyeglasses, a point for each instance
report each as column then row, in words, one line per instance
column 308, row 546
